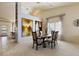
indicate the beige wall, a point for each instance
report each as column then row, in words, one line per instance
column 7, row 10
column 7, row 13
column 71, row 33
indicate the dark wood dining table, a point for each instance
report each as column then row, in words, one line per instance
column 43, row 37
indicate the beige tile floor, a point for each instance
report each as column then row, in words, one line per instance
column 25, row 49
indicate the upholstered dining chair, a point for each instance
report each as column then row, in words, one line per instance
column 36, row 41
column 54, row 38
column 49, row 40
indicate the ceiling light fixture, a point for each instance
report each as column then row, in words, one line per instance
column 35, row 12
column 37, row 2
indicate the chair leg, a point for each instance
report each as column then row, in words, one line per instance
column 33, row 45
column 48, row 43
column 54, row 44
column 51, row 45
column 36, row 47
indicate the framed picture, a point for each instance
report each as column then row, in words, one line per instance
column 26, row 27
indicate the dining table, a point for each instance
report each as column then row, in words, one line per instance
column 43, row 37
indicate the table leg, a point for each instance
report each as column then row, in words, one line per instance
column 44, row 45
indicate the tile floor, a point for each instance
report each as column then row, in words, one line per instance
column 9, row 48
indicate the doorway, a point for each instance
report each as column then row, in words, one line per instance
column 6, row 39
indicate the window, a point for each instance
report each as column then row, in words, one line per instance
column 54, row 26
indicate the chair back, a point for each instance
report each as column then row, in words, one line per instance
column 34, row 35
column 52, row 34
column 55, row 35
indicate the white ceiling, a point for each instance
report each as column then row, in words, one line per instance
column 7, row 10
column 41, row 6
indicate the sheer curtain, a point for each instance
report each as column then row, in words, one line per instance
column 54, row 24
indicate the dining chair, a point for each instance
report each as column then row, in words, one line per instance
column 54, row 38
column 49, row 40
column 36, row 40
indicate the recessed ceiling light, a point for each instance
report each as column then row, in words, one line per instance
column 27, row 8
column 37, row 2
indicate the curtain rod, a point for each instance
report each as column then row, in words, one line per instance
column 56, row 16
